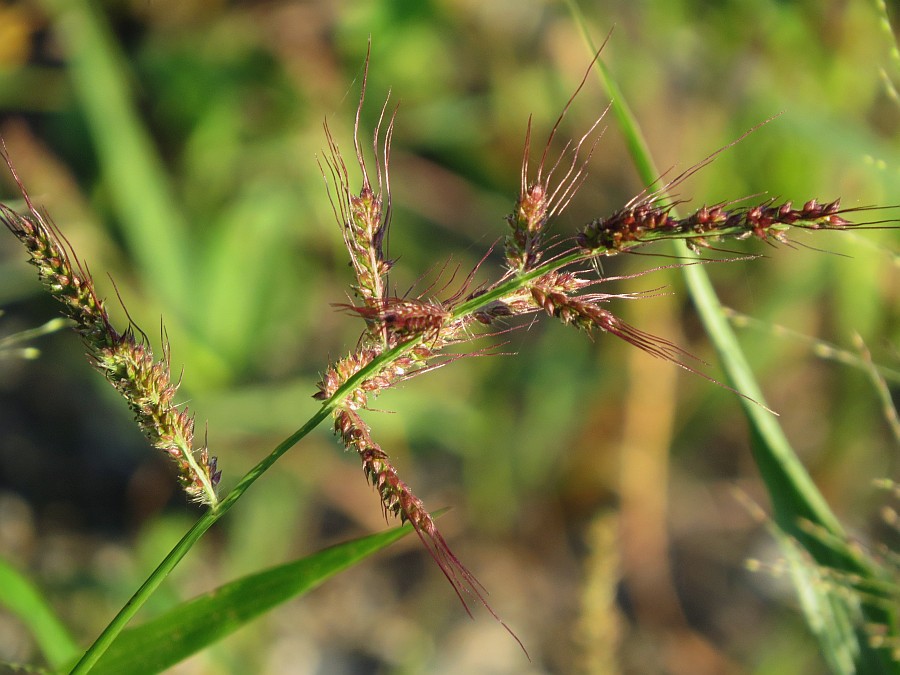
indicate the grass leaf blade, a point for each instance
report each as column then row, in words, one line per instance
column 139, row 187
column 196, row 624
column 24, row 600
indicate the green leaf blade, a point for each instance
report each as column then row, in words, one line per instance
column 21, row 597
column 198, row 623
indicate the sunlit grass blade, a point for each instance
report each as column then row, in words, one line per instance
column 15, row 345
column 21, row 598
column 859, row 359
column 853, row 616
column 827, row 618
column 198, row 623
column 109, row 634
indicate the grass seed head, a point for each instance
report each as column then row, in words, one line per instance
column 647, row 222
column 126, row 362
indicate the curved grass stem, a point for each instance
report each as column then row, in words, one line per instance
column 106, row 638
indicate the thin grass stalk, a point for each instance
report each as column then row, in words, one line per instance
column 819, row 348
column 348, row 387
column 207, row 520
column 119, row 622
column 737, row 369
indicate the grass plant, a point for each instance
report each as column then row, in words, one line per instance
column 847, row 593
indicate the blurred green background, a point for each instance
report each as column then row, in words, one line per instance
column 175, row 144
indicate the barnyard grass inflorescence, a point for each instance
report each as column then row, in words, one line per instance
column 123, row 358
column 408, row 336
column 647, row 222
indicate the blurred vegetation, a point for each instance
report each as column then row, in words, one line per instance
column 188, row 173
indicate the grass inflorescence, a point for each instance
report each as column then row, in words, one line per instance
column 124, row 358
column 408, row 336
column 405, row 335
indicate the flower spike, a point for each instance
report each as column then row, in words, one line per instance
column 540, row 199
column 364, row 217
column 124, row 360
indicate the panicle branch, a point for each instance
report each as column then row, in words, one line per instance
column 398, row 369
column 584, row 312
column 398, row 500
column 126, row 362
column 649, row 221
column 396, row 319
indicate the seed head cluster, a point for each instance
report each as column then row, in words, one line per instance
column 407, row 336
column 428, row 326
column 124, row 360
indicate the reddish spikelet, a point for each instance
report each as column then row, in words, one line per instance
column 523, row 300
column 399, row 318
column 527, row 222
column 398, row 500
column 583, row 312
column 413, row 331
column 563, row 282
column 647, row 222
column 342, row 371
column 544, row 197
column 125, row 362
column 626, row 227
column 403, row 367
column 364, row 217
column 763, row 221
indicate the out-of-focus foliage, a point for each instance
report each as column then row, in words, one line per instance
column 222, row 123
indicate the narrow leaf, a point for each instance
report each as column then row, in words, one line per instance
column 21, row 597
column 198, row 623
